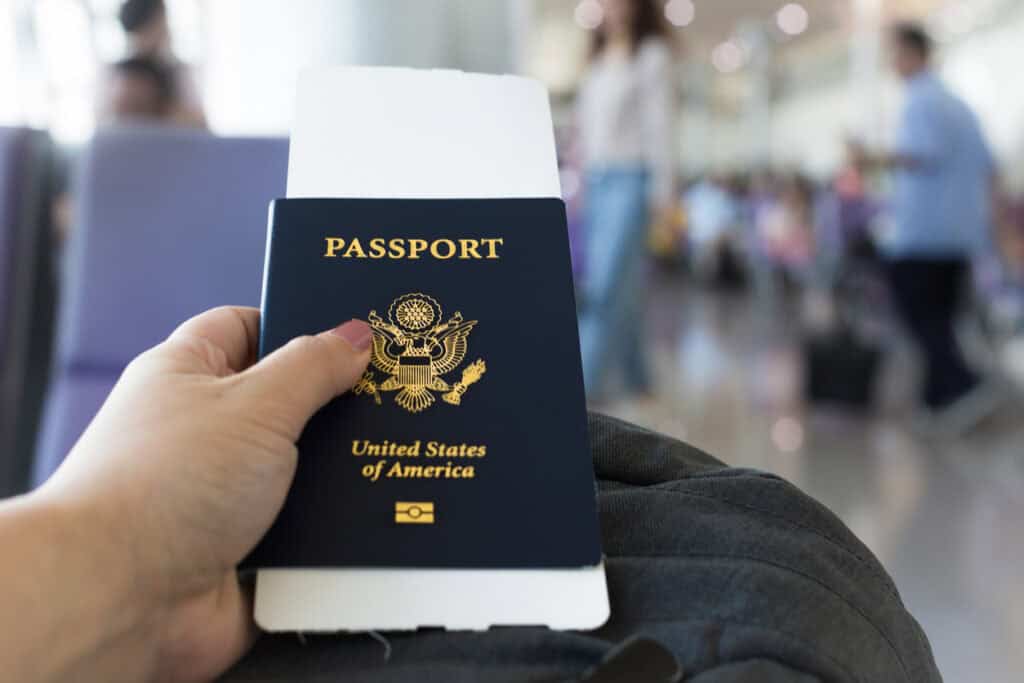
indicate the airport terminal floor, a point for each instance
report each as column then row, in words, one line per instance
column 938, row 513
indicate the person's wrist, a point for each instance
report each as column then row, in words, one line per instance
column 118, row 511
column 93, row 542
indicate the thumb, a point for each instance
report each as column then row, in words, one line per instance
column 303, row 375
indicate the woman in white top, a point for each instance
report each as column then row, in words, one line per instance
column 626, row 113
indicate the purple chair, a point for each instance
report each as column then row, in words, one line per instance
column 169, row 223
column 25, row 164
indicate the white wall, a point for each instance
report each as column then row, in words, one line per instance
column 808, row 128
column 257, row 47
column 985, row 68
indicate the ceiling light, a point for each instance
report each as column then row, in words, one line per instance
column 728, row 57
column 680, row 12
column 793, row 19
column 589, row 14
column 788, row 435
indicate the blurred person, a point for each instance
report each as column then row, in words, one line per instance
column 714, row 213
column 626, row 116
column 943, row 178
column 856, row 208
column 141, row 89
column 845, row 250
column 762, row 189
column 149, row 37
column 762, row 196
column 787, row 226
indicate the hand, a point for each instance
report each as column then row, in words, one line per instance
column 185, row 468
column 666, row 216
column 665, row 227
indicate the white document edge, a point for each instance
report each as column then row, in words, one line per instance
column 402, row 133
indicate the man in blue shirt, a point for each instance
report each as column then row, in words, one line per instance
column 942, row 186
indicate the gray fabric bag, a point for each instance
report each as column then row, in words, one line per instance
column 735, row 573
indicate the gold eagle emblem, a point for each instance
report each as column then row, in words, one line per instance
column 414, row 349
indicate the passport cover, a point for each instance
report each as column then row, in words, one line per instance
column 465, row 443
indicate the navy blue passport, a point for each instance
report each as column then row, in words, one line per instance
column 465, row 443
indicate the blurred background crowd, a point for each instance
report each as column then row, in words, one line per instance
column 797, row 230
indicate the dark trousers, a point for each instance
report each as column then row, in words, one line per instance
column 927, row 293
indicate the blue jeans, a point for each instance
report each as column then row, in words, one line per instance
column 612, row 320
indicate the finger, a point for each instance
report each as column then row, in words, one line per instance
column 234, row 330
column 309, row 371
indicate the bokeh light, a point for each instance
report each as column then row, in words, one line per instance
column 793, row 19
column 680, row 12
column 788, row 435
column 728, row 57
column 589, row 14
